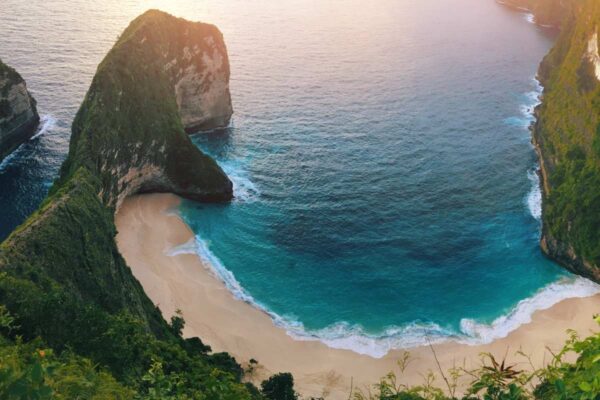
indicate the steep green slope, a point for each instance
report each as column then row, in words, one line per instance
column 61, row 275
column 567, row 138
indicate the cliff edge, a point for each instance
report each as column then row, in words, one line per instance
column 547, row 13
column 567, row 139
column 61, row 274
column 18, row 114
column 164, row 76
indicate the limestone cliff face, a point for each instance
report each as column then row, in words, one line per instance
column 201, row 78
column 18, row 113
column 567, row 139
column 163, row 77
column 592, row 55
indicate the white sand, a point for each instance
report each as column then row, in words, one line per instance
column 147, row 231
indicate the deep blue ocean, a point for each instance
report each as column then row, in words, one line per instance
column 386, row 192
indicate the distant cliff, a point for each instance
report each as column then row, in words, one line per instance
column 61, row 274
column 18, row 113
column 549, row 13
column 567, row 138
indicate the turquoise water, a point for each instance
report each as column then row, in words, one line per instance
column 385, row 183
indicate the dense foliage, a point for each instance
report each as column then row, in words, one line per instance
column 62, row 278
column 567, row 134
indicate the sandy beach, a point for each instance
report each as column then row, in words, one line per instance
column 148, row 229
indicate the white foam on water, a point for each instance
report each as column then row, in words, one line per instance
column 343, row 335
column 534, row 197
column 8, row 159
column 244, row 190
column 47, row 123
column 571, row 287
column 188, row 247
column 226, row 276
column 529, row 17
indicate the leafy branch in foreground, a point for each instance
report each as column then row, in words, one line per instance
column 498, row 380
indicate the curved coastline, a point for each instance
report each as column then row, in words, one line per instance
column 150, row 238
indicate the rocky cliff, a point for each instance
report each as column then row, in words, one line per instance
column 61, row 274
column 18, row 113
column 163, row 76
column 548, row 13
column 567, row 139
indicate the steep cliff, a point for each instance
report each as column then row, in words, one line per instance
column 163, row 76
column 567, row 138
column 18, row 113
column 549, row 13
column 61, row 273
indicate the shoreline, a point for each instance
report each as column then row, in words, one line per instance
column 148, row 230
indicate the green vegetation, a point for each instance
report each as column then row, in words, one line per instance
column 279, row 387
column 494, row 380
column 63, row 281
column 75, row 323
column 567, row 134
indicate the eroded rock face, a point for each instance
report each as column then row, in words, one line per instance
column 199, row 69
column 18, row 113
column 202, row 87
column 593, row 56
column 163, row 77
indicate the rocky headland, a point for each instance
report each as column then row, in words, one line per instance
column 62, row 276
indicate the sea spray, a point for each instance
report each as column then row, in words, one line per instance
column 47, row 123
column 244, row 189
column 534, row 197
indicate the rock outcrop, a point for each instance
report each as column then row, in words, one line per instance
column 163, row 77
column 18, row 114
column 164, row 74
column 61, row 274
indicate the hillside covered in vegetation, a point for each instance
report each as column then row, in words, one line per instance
column 62, row 278
column 75, row 323
column 567, row 138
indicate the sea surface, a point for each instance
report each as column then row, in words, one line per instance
column 386, row 187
